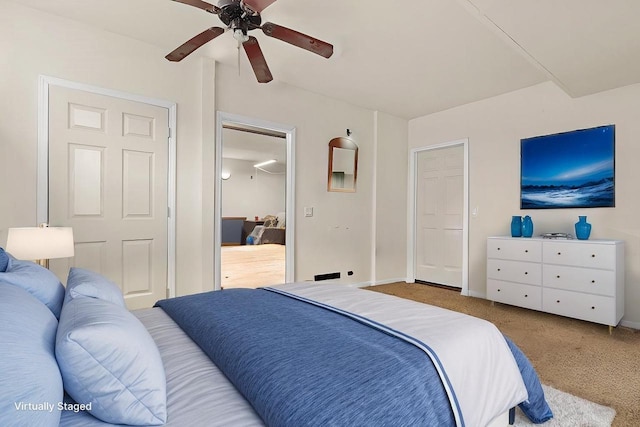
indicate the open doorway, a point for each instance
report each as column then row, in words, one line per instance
column 254, row 203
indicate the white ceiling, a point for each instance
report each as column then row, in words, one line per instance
column 407, row 58
column 255, row 147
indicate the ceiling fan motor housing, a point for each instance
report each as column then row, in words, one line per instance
column 235, row 16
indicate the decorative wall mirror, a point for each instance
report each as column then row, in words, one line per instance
column 343, row 165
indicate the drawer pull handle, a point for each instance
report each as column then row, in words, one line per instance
column 526, row 251
column 593, row 255
column 526, row 272
column 498, row 269
column 526, row 296
column 593, row 308
column 558, row 276
column 498, row 290
column 593, row 281
column 559, row 253
column 558, row 301
column 498, row 248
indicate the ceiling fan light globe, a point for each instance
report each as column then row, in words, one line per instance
column 239, row 35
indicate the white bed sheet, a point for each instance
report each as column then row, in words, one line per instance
column 198, row 394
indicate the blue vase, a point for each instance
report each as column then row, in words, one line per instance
column 516, row 226
column 527, row 227
column 583, row 228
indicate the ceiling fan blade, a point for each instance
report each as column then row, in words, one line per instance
column 298, row 39
column 256, row 58
column 258, row 5
column 188, row 47
column 201, row 5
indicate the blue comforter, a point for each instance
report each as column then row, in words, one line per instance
column 300, row 364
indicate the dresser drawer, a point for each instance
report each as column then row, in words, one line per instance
column 593, row 281
column 593, row 308
column 515, row 271
column 580, row 254
column 526, row 296
column 515, row 249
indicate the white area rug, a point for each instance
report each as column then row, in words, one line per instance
column 570, row 411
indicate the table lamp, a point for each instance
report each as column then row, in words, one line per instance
column 40, row 243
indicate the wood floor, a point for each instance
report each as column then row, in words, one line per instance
column 252, row 266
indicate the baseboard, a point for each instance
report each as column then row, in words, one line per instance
column 476, row 294
column 387, row 281
column 629, row 324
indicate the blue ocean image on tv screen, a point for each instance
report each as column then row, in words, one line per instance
column 569, row 170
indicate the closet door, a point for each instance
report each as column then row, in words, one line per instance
column 439, row 215
column 108, row 179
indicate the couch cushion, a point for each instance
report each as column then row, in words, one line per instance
column 37, row 280
column 31, row 383
column 86, row 283
column 109, row 360
column 4, row 260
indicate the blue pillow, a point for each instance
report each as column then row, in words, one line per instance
column 109, row 360
column 86, row 283
column 4, row 260
column 37, row 280
column 30, row 374
column 535, row 407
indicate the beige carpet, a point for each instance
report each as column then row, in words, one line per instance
column 573, row 356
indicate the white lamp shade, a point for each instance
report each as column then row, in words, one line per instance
column 35, row 243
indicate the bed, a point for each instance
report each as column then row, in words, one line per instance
column 264, row 373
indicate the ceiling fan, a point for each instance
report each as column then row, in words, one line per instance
column 242, row 16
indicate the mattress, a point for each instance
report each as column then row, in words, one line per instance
column 198, row 394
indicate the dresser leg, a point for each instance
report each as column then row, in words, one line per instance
column 610, row 329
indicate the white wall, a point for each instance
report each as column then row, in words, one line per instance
column 35, row 43
column 339, row 237
column 494, row 128
column 392, row 162
column 250, row 192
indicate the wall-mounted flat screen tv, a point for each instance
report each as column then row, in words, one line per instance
column 568, row 170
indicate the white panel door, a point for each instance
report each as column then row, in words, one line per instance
column 108, row 169
column 439, row 215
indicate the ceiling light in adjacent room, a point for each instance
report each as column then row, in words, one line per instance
column 268, row 162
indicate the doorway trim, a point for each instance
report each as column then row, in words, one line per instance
column 42, row 179
column 411, row 220
column 229, row 119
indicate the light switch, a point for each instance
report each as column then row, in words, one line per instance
column 308, row 212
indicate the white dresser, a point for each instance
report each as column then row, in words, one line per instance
column 583, row 279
